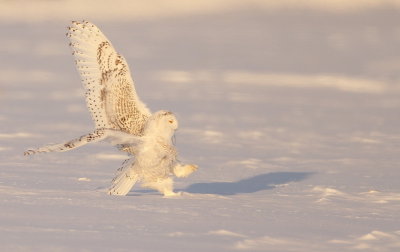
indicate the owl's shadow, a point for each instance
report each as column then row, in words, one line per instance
column 266, row 181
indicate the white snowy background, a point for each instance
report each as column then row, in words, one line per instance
column 290, row 108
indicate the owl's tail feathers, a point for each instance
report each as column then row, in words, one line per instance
column 124, row 180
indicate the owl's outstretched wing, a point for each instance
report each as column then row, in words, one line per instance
column 110, row 93
column 115, row 137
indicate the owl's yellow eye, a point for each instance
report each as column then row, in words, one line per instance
column 171, row 121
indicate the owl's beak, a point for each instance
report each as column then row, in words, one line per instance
column 171, row 121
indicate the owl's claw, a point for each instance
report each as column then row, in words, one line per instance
column 182, row 171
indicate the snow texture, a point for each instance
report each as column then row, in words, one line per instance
column 291, row 114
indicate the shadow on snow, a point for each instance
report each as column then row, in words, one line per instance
column 257, row 183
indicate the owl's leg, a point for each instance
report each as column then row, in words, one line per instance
column 164, row 186
column 95, row 136
column 182, row 171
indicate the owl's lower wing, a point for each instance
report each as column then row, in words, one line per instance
column 115, row 137
column 95, row 136
column 110, row 93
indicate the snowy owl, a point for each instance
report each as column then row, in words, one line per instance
column 121, row 117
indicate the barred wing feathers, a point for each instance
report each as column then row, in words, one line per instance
column 110, row 93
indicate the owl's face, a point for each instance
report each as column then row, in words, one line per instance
column 162, row 123
column 169, row 119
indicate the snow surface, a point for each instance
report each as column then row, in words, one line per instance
column 291, row 114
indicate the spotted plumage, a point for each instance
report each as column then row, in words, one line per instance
column 120, row 117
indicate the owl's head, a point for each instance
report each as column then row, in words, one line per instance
column 162, row 123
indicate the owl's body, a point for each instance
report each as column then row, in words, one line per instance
column 155, row 158
column 121, row 118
